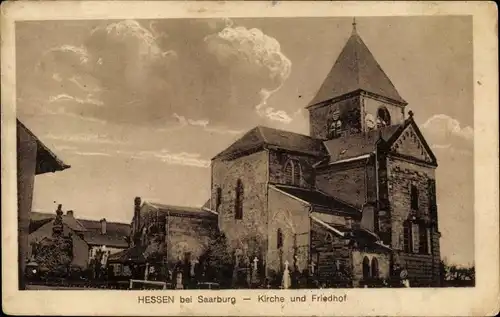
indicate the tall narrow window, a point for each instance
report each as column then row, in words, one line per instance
column 432, row 201
column 279, row 239
column 366, row 268
column 288, row 174
column 416, row 237
column 292, row 172
column 238, row 204
column 218, row 198
column 414, row 197
column 407, row 239
column 424, row 240
column 374, row 267
column 296, row 173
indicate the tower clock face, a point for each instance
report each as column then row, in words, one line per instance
column 370, row 121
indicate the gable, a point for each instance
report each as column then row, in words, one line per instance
column 411, row 144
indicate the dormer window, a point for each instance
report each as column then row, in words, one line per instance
column 292, row 173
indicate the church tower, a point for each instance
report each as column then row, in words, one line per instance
column 356, row 95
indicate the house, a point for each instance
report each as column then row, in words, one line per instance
column 33, row 158
column 88, row 236
column 355, row 197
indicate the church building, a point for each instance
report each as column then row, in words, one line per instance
column 357, row 195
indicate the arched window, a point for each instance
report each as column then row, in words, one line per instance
column 407, row 237
column 423, row 239
column 383, row 117
column 335, row 128
column 366, row 268
column 238, row 203
column 218, row 198
column 279, row 239
column 414, row 197
column 293, row 172
column 374, row 267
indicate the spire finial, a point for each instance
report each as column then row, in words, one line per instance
column 354, row 25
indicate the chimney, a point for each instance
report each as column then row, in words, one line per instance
column 137, row 211
column 103, row 226
column 70, row 213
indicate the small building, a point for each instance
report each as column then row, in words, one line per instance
column 89, row 236
column 33, row 158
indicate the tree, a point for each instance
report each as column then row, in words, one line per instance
column 217, row 260
column 54, row 255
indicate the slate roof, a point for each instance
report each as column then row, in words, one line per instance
column 359, row 144
column 116, row 233
column 134, row 254
column 318, row 199
column 262, row 137
column 46, row 160
column 356, row 69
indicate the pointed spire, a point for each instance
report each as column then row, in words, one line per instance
column 356, row 69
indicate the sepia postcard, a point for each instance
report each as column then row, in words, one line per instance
column 250, row 158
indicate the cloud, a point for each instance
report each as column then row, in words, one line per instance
column 218, row 76
column 91, row 153
column 445, row 132
column 258, row 56
column 84, row 138
column 181, row 158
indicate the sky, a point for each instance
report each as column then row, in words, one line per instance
column 139, row 107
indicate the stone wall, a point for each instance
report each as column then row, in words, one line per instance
column 349, row 115
column 347, row 182
column 383, row 260
column 179, row 234
column 372, row 104
column 327, row 251
column 277, row 161
column 250, row 232
column 401, row 175
column 292, row 218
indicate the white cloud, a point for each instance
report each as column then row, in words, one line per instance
column 66, row 97
column 182, row 158
column 84, row 138
column 254, row 52
column 91, row 153
column 446, row 126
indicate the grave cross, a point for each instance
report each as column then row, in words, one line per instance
column 255, row 261
column 312, row 265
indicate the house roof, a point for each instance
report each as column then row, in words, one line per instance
column 46, row 160
column 359, row 144
column 356, row 69
column 134, row 254
column 183, row 211
column 116, row 233
column 318, row 199
column 263, row 137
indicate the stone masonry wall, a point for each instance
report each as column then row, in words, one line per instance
column 371, row 106
column 277, row 161
column 318, row 117
column 347, row 183
column 383, row 260
column 252, row 170
column 401, row 175
column 292, row 218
